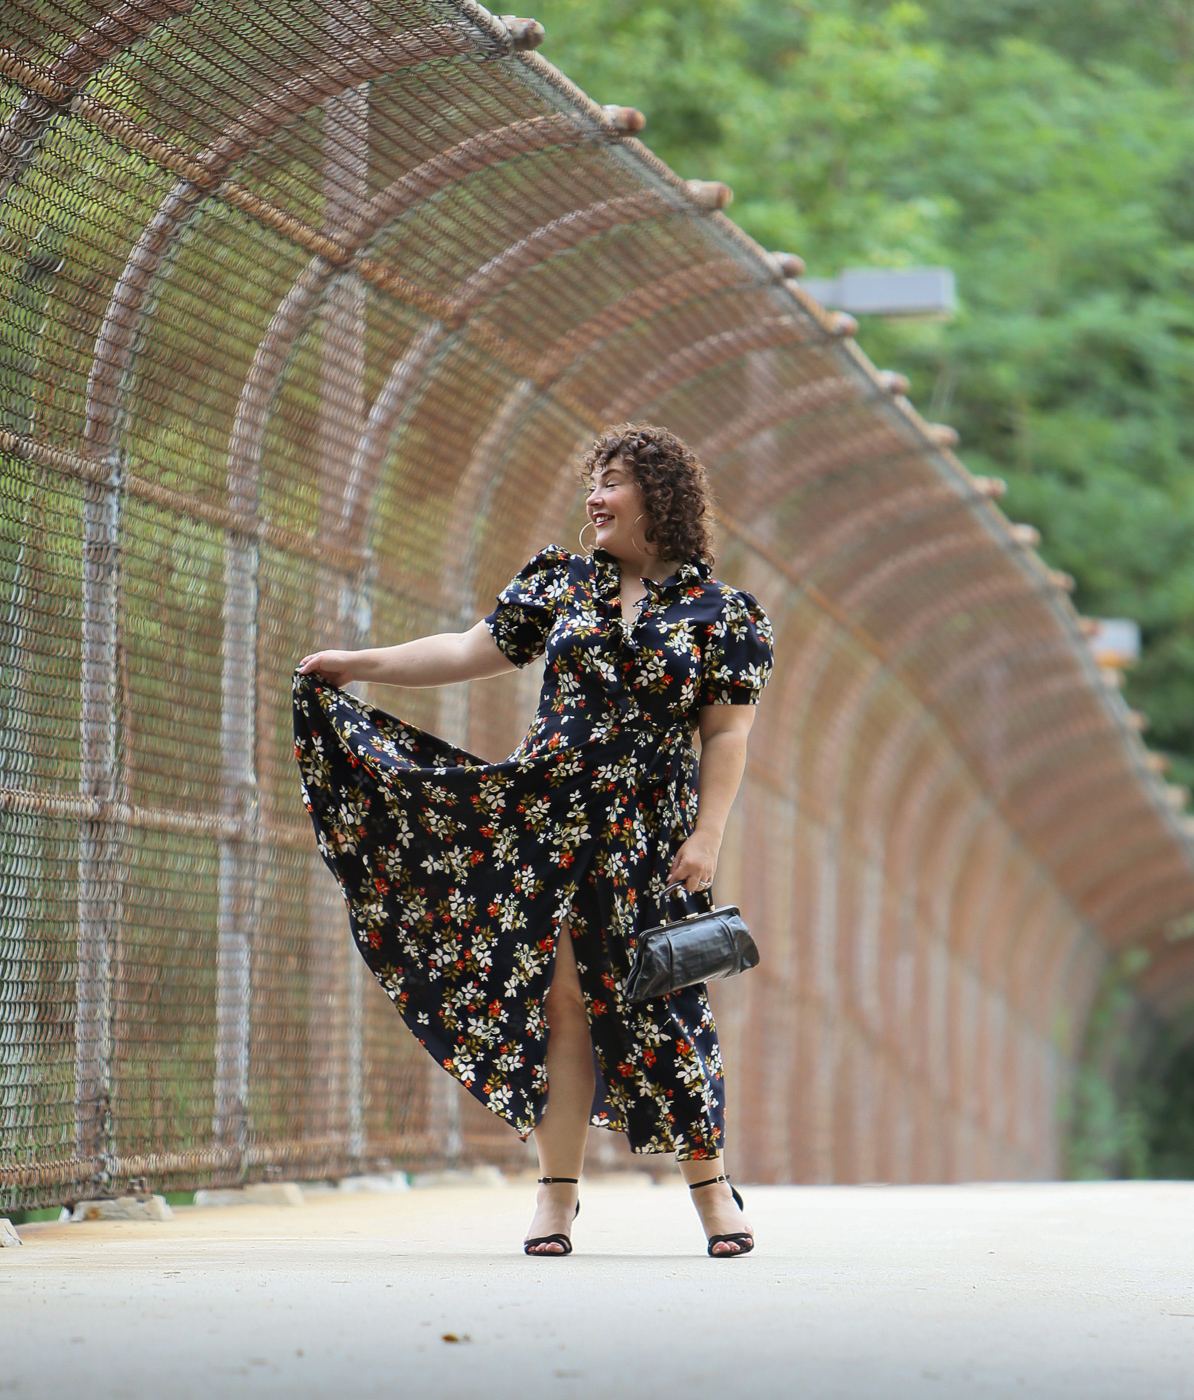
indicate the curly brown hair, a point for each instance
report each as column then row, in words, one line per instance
column 673, row 482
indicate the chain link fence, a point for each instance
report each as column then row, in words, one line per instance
column 308, row 308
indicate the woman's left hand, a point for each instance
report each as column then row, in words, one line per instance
column 695, row 862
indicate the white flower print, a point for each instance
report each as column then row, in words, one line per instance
column 460, row 875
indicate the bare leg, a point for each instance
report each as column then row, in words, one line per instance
column 561, row 1133
column 719, row 1215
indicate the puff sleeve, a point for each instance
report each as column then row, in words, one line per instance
column 737, row 656
column 527, row 606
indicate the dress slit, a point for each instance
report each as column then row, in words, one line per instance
column 459, row 874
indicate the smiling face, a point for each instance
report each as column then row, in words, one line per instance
column 615, row 505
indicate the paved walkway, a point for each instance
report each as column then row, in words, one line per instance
column 886, row 1292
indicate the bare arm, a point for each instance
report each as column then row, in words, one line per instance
column 437, row 660
column 724, row 731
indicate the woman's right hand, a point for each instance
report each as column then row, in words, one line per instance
column 334, row 666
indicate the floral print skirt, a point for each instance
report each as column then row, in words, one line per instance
column 460, row 875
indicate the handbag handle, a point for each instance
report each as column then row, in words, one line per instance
column 679, row 885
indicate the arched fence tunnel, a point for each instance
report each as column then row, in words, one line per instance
column 309, row 309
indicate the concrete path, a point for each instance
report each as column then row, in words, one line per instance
column 1070, row 1290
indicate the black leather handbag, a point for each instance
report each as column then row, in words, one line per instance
column 700, row 947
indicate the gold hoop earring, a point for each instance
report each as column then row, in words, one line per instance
column 581, row 537
column 643, row 551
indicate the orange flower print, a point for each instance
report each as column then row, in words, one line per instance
column 459, row 875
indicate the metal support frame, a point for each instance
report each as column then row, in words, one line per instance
column 342, row 614
column 111, row 34
column 922, row 772
column 101, row 839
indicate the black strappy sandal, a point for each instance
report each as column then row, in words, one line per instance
column 742, row 1238
column 528, row 1246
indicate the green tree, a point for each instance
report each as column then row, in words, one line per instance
column 1041, row 148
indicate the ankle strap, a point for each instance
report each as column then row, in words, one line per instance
column 551, row 1180
column 713, row 1180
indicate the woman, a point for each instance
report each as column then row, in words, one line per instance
column 498, row 904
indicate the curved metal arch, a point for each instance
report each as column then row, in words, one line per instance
column 1022, row 760
column 800, row 684
column 914, row 727
column 687, row 363
column 884, row 445
column 1105, row 888
column 1142, row 923
column 452, row 166
column 860, row 523
column 1034, row 693
column 795, row 403
column 351, row 64
column 924, row 623
column 602, row 326
column 1166, row 877
column 1037, row 942
column 996, row 648
column 906, row 816
column 407, row 378
column 1092, row 832
column 704, row 355
column 1030, row 886
column 1062, row 793
column 943, row 777
column 558, row 236
column 113, row 33
column 960, row 895
column 563, row 355
column 1168, row 982
column 571, row 348
column 918, row 560
column 959, row 840
column 301, row 301
column 849, row 701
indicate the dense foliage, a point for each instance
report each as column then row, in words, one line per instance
column 1044, row 149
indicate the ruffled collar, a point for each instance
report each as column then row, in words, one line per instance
column 608, row 574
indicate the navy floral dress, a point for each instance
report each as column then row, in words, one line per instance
column 459, row 874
